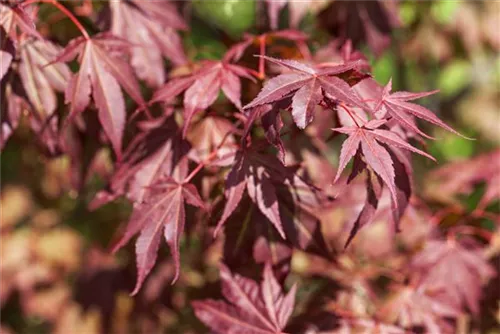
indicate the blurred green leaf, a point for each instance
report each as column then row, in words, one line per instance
column 203, row 43
column 384, row 68
column 443, row 11
column 454, row 77
column 232, row 16
column 452, row 147
column 408, row 13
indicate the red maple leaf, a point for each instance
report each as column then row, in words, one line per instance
column 213, row 134
column 369, row 138
column 308, row 86
column 41, row 82
column 157, row 151
column 247, row 230
column 455, row 270
column 102, row 71
column 411, row 307
column 202, row 87
column 248, row 173
column 281, row 196
column 362, row 21
column 380, row 151
column 461, row 177
column 150, row 27
column 162, row 212
column 252, row 309
column 396, row 105
column 16, row 17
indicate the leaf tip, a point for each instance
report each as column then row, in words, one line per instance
column 137, row 287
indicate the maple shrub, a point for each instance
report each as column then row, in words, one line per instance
column 269, row 160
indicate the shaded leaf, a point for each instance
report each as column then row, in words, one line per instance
column 456, row 270
column 251, row 308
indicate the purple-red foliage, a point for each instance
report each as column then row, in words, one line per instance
column 190, row 144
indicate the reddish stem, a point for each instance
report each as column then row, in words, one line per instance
column 199, row 167
column 254, row 73
column 212, row 155
column 350, row 114
column 64, row 10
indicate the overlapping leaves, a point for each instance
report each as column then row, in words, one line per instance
column 277, row 192
column 149, row 27
column 252, row 308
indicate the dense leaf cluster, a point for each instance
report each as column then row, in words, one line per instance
column 244, row 139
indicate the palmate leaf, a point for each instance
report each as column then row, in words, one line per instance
column 454, row 269
column 411, row 307
column 362, row 21
column 461, row 177
column 251, row 175
column 308, row 86
column 162, row 212
column 369, row 137
column 213, row 133
column 252, row 308
column 41, row 82
column 16, row 17
column 280, row 195
column 202, row 88
column 382, row 151
column 247, row 231
column 102, row 71
column 271, row 122
column 396, row 105
column 157, row 151
column 149, row 27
